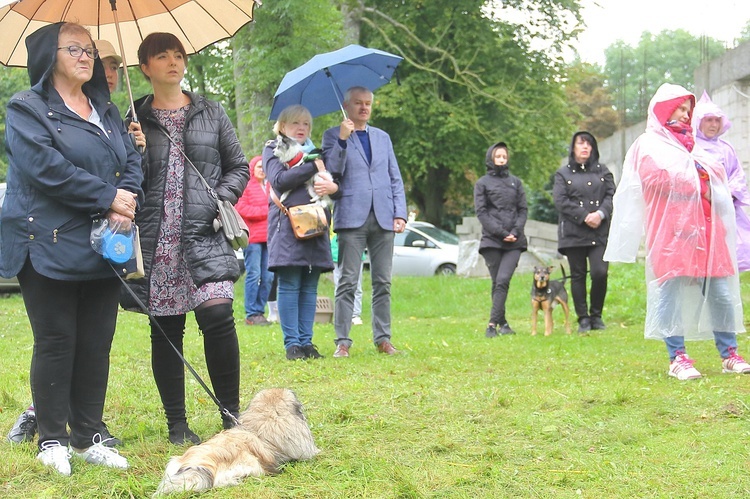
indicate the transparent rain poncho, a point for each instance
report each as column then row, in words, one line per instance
column 692, row 282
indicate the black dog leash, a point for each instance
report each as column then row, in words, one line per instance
column 224, row 411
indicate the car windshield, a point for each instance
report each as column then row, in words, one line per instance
column 439, row 235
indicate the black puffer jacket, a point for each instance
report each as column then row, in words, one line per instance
column 500, row 205
column 212, row 145
column 578, row 191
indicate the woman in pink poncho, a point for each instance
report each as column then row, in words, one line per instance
column 710, row 123
column 679, row 194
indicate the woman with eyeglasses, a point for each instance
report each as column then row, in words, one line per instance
column 70, row 162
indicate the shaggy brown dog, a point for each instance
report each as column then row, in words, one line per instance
column 272, row 431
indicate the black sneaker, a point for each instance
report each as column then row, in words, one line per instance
column 597, row 323
column 584, row 325
column 295, row 353
column 491, row 332
column 107, row 439
column 24, row 429
column 180, row 434
column 311, row 351
column 505, row 329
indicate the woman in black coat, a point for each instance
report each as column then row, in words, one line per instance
column 583, row 193
column 189, row 266
column 500, row 205
column 297, row 263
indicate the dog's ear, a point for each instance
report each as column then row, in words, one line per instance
column 550, row 268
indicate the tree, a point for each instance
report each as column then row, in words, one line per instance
column 287, row 33
column 634, row 73
column 468, row 80
column 592, row 104
column 12, row 80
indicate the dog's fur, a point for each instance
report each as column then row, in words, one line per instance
column 290, row 152
column 545, row 295
column 272, row 431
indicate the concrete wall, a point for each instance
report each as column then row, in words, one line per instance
column 542, row 239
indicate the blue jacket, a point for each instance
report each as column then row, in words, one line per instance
column 375, row 185
column 63, row 172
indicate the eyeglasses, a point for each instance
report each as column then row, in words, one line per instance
column 76, row 51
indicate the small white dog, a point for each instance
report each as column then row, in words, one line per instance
column 290, row 152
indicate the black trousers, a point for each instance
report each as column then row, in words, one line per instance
column 73, row 323
column 222, row 353
column 577, row 259
column 501, row 265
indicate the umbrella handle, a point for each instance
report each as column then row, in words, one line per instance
column 134, row 115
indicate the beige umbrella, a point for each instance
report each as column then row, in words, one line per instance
column 197, row 23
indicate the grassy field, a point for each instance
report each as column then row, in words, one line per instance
column 456, row 416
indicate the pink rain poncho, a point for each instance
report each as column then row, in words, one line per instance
column 724, row 153
column 692, row 282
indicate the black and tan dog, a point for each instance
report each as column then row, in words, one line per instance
column 545, row 295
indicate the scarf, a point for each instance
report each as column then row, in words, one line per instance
column 682, row 132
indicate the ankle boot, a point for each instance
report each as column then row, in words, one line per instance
column 222, row 350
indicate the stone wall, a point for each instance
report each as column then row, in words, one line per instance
column 542, row 239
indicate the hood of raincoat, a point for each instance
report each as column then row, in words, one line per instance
column 594, row 158
column 706, row 107
column 489, row 161
column 41, row 46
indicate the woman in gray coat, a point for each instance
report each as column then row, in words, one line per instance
column 583, row 193
column 500, row 205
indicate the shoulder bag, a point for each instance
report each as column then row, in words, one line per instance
column 308, row 220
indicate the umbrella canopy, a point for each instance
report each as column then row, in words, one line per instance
column 318, row 83
column 197, row 23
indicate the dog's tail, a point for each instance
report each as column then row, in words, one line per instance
column 562, row 267
column 193, row 478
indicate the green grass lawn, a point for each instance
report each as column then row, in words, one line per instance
column 457, row 415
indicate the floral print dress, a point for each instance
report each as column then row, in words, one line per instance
column 172, row 290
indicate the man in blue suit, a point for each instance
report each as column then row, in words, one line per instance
column 371, row 209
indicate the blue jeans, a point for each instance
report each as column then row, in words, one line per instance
column 258, row 279
column 717, row 295
column 297, row 297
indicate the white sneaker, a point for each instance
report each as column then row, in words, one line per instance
column 735, row 364
column 102, row 455
column 55, row 455
column 682, row 368
column 357, row 321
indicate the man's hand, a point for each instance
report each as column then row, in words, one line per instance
column 399, row 224
column 346, row 129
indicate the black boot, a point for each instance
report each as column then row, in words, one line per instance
column 222, row 355
column 169, row 374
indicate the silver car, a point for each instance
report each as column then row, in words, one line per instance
column 424, row 250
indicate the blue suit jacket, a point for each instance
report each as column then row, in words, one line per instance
column 364, row 185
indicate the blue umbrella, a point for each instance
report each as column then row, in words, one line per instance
column 319, row 82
